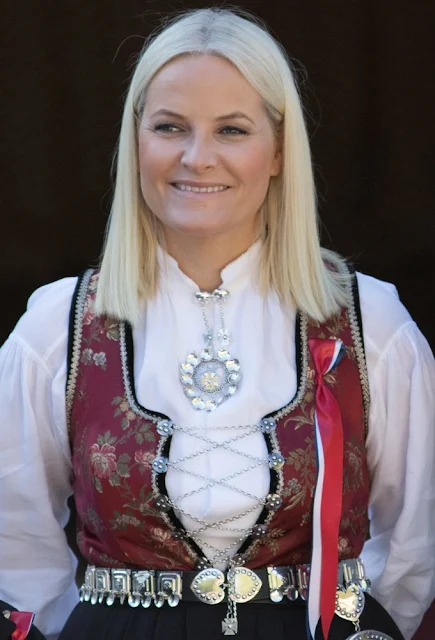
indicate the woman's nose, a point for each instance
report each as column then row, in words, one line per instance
column 199, row 153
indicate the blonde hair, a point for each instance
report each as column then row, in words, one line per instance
column 292, row 262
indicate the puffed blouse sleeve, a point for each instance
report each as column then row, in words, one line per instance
column 400, row 556
column 37, row 568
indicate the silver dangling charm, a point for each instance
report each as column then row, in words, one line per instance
column 230, row 625
column 211, row 376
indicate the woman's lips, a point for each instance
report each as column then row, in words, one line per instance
column 189, row 193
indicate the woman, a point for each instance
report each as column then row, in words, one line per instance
column 227, row 424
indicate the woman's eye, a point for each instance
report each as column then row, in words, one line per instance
column 166, row 128
column 235, row 130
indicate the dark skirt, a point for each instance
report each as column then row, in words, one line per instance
column 197, row 621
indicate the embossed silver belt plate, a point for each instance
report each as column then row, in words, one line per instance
column 209, row 585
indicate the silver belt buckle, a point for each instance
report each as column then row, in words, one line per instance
column 143, row 588
column 169, row 587
column 88, row 585
column 209, row 585
column 96, row 585
column 282, row 582
column 102, row 585
column 303, row 578
column 353, row 572
column 121, row 585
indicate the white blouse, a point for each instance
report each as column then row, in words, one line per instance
column 37, row 568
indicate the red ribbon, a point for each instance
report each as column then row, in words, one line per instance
column 23, row 621
column 331, row 433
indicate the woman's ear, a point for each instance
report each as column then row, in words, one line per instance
column 277, row 160
column 276, row 164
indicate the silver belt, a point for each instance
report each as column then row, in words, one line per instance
column 237, row 586
column 212, row 586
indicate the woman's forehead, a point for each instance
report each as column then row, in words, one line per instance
column 206, row 79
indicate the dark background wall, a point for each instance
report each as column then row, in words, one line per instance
column 64, row 67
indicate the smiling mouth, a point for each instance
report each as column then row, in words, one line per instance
column 186, row 188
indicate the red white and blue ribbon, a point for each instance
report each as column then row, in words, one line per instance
column 326, row 354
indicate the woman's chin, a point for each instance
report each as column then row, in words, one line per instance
column 196, row 229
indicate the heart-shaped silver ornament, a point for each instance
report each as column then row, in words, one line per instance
column 349, row 603
column 208, row 586
column 244, row 584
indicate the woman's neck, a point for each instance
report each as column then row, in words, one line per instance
column 202, row 259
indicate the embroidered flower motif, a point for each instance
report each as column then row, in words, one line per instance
column 103, row 460
column 100, row 359
column 342, row 545
column 129, row 520
column 144, row 458
column 303, row 462
column 303, row 418
column 293, row 486
column 336, row 325
column 161, row 537
column 123, row 410
column 354, row 478
column 124, row 520
column 110, row 328
column 87, row 356
column 271, row 539
column 144, row 431
column 311, row 374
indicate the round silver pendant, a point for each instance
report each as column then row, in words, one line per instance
column 370, row 634
column 210, row 378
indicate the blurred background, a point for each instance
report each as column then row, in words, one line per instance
column 366, row 70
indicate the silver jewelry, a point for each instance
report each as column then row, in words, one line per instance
column 211, row 376
column 369, row 634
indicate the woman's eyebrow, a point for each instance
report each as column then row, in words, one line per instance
column 228, row 116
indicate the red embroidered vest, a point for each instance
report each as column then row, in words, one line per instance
column 120, row 520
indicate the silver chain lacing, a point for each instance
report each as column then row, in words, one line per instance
column 218, row 555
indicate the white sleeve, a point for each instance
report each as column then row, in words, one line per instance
column 37, row 568
column 400, row 556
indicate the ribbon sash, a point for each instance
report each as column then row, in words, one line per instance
column 329, row 486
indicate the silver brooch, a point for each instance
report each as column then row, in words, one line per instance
column 212, row 375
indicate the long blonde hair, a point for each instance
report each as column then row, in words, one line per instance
column 292, row 261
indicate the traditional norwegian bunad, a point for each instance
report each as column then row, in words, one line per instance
column 314, row 521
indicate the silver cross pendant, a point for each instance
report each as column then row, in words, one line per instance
column 229, row 626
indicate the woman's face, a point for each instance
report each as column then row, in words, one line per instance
column 204, row 126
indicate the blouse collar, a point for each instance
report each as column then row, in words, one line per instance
column 238, row 272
